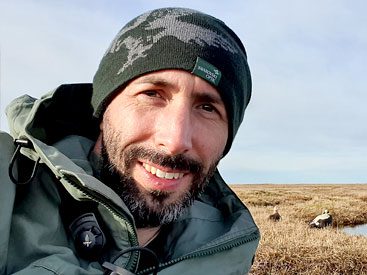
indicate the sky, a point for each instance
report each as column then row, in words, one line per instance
column 306, row 122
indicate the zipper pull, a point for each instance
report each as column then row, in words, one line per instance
column 27, row 144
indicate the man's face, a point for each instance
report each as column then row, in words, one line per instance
column 163, row 136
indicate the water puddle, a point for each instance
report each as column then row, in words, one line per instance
column 356, row 230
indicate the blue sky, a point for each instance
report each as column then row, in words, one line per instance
column 306, row 121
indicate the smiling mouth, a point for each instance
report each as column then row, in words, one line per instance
column 162, row 174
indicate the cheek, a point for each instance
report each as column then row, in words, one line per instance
column 111, row 141
column 132, row 127
column 211, row 143
column 128, row 118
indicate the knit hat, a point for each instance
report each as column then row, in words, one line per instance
column 177, row 38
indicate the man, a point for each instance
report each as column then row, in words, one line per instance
column 121, row 178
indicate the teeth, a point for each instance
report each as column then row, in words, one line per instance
column 161, row 174
column 153, row 170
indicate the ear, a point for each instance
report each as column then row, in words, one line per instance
column 98, row 145
column 101, row 125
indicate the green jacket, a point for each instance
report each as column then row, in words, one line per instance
column 216, row 236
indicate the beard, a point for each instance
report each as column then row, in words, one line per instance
column 150, row 208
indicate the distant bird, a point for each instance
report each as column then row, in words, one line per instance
column 323, row 220
column 275, row 216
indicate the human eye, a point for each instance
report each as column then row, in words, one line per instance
column 214, row 111
column 151, row 93
column 207, row 107
column 151, row 97
column 209, row 110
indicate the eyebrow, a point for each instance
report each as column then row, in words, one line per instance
column 152, row 79
column 209, row 97
column 202, row 96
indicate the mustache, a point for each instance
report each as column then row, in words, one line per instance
column 177, row 162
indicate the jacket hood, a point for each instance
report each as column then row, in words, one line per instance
column 59, row 113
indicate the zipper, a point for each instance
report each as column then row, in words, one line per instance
column 209, row 251
column 133, row 260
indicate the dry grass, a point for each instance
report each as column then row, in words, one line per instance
column 289, row 246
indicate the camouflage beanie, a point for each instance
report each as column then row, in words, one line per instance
column 177, row 38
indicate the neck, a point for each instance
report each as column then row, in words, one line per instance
column 146, row 235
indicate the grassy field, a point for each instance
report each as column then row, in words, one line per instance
column 290, row 246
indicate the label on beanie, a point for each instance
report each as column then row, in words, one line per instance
column 207, row 71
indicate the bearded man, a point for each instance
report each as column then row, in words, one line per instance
column 120, row 176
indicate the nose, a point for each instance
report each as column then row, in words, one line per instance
column 174, row 130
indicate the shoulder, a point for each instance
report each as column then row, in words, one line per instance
column 6, row 145
column 7, row 188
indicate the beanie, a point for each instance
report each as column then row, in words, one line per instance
column 177, row 38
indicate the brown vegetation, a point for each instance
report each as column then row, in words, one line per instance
column 290, row 246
